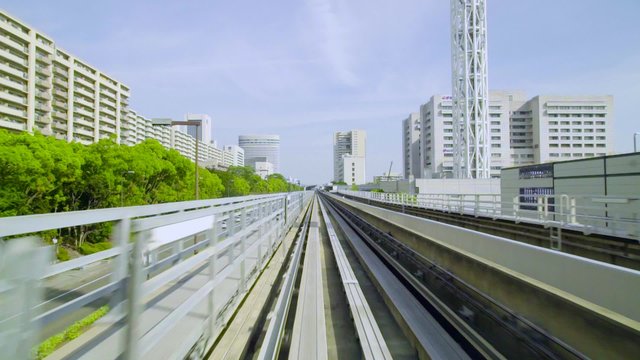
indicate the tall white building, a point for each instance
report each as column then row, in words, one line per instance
column 522, row 131
column 261, row 148
column 234, row 155
column 411, row 146
column 204, row 133
column 550, row 128
column 45, row 88
column 349, row 156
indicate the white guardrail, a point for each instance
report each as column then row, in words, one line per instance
column 224, row 243
column 585, row 214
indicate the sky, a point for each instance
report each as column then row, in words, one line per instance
column 304, row 69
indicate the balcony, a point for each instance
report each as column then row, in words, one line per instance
column 60, row 115
column 45, row 59
column 5, row 109
column 107, row 101
column 7, row 82
column 43, row 107
column 83, row 122
column 107, row 111
column 14, row 58
column 8, row 123
column 60, row 93
column 85, row 82
column 7, row 40
column 20, row 100
column 60, row 71
column 42, row 119
column 84, row 112
column 60, row 125
column 62, row 104
column 83, row 91
column 43, row 70
column 43, row 83
column 83, row 131
column 84, row 102
column 109, row 93
column 107, row 120
column 12, row 71
column 43, row 95
column 61, row 82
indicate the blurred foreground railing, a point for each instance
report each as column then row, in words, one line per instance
column 154, row 248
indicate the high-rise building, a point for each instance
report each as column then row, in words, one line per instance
column 204, row 133
column 45, row 88
column 544, row 128
column 411, row 146
column 551, row 128
column 349, row 156
column 234, row 155
column 261, row 148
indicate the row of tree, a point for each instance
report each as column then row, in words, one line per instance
column 40, row 174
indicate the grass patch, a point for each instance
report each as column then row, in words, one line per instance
column 76, row 329
column 90, row 248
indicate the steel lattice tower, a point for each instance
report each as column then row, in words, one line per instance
column 471, row 141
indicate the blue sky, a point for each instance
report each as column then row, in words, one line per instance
column 306, row 68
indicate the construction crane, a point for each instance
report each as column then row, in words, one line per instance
column 389, row 172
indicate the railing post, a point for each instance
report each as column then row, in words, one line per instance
column 213, row 240
column 134, row 303
column 516, row 207
column 243, row 249
column 120, row 265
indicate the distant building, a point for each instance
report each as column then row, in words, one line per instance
column 353, row 170
column 411, row 146
column 47, row 89
column 234, row 155
column 386, row 177
column 263, row 168
column 204, row 133
column 522, row 131
column 261, row 148
column 349, row 156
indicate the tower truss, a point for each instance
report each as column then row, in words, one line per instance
column 471, row 141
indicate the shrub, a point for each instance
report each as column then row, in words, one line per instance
column 63, row 254
column 90, row 248
column 51, row 344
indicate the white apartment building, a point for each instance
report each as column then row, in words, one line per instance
column 204, row 133
column 551, row 128
column 44, row 88
column 259, row 147
column 234, row 155
column 353, row 170
column 523, row 131
column 349, row 153
column 411, row 146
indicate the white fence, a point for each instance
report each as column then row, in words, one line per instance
column 553, row 211
column 208, row 252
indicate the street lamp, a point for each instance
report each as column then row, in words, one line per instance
column 197, row 124
column 122, row 186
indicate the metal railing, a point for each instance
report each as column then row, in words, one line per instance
column 157, row 249
column 581, row 213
